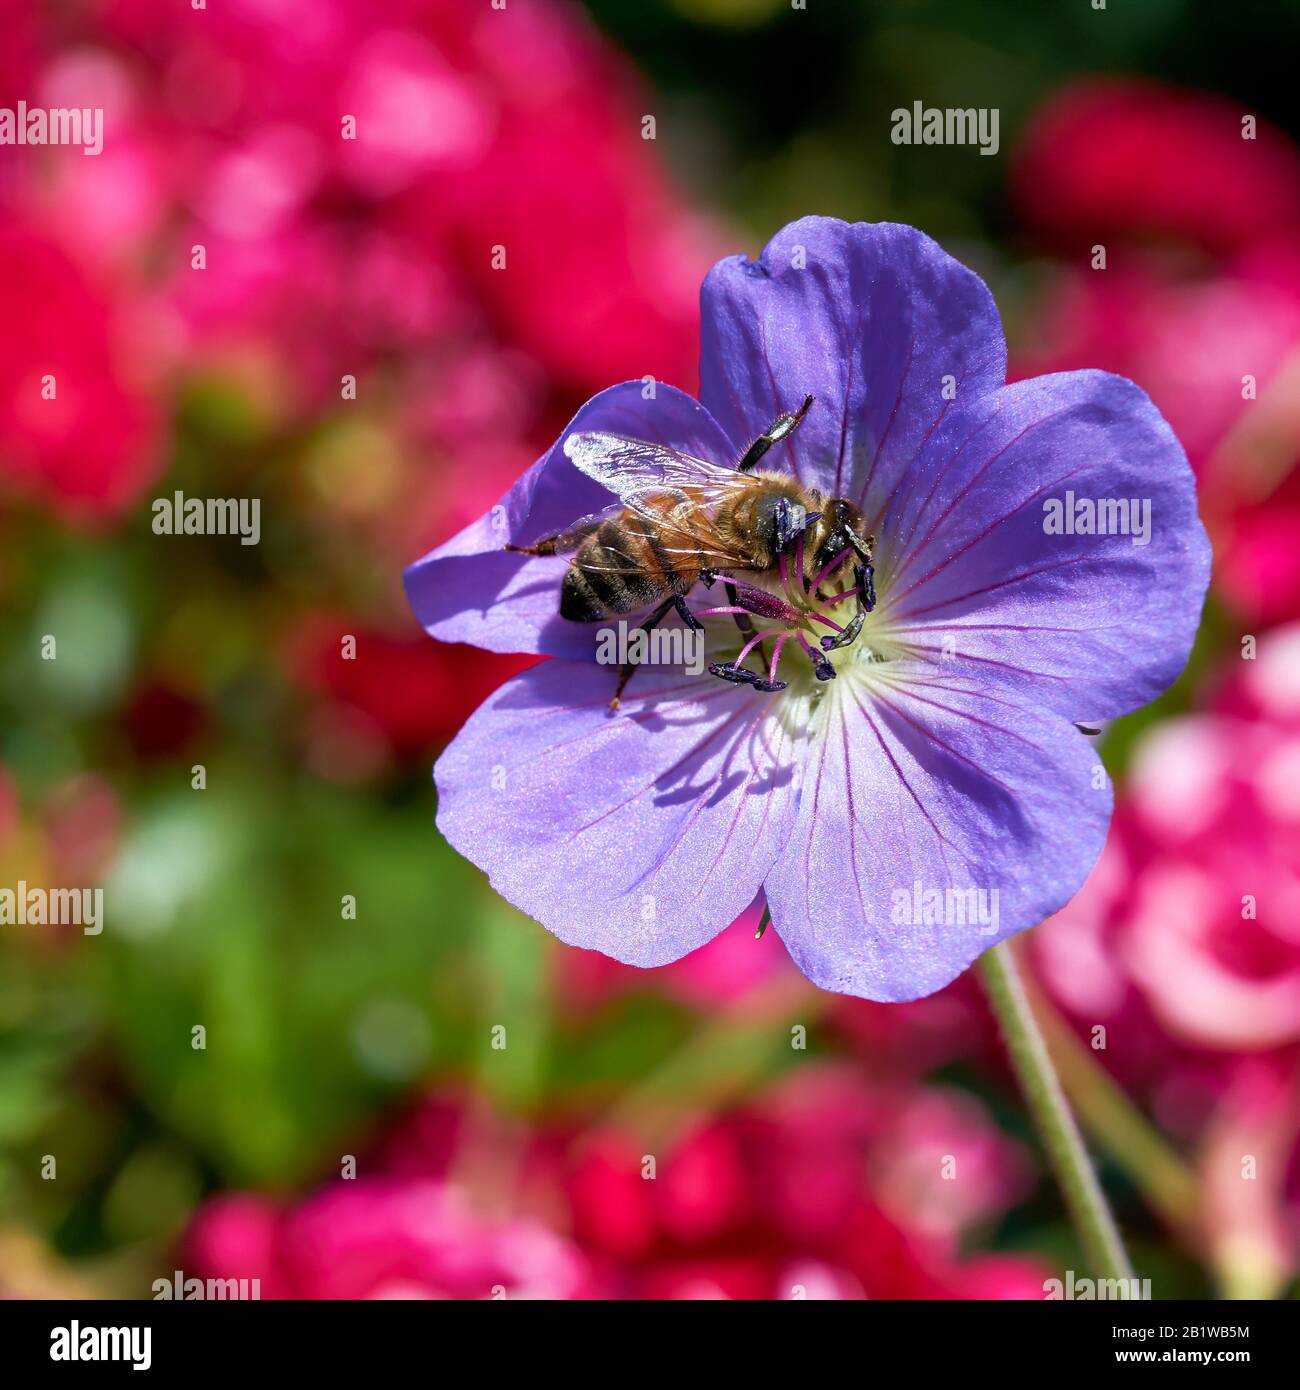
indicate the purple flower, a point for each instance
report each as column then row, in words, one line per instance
column 913, row 796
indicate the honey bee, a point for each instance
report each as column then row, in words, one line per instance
column 680, row 520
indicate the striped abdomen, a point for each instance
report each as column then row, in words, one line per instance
column 624, row 566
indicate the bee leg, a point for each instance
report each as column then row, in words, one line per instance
column 627, row 671
column 553, row 545
column 864, row 573
column 864, row 577
column 549, row 546
column 863, row 582
column 780, row 428
column 684, row 613
column 679, row 603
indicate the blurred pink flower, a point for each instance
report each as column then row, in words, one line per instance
column 1212, row 935
column 382, row 1238
column 946, row 1131
column 82, row 820
column 326, row 256
column 867, row 1188
column 602, row 260
column 473, row 128
column 729, row 972
column 1250, row 1175
column 1265, row 686
column 1189, row 341
column 1184, row 942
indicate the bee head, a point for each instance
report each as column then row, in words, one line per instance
column 828, row 537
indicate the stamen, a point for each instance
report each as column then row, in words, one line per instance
column 749, row 647
column 740, row 675
column 766, row 605
column 825, row 621
column 848, row 636
column 821, row 665
column 795, row 615
column 776, row 654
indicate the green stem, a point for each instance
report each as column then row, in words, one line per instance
column 1084, row 1199
column 1116, row 1124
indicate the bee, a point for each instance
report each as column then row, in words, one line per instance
column 680, row 520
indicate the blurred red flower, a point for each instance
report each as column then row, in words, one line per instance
column 1214, row 338
column 823, row 1187
column 78, row 427
column 413, row 693
column 1120, row 157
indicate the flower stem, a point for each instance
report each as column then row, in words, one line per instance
column 1116, row 1124
column 1051, row 1113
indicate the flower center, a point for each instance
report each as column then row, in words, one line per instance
column 813, row 618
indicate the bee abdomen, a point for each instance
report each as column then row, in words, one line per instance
column 580, row 602
column 623, row 567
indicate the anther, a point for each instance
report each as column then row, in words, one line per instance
column 740, row 675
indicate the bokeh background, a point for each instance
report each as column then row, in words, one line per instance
column 886, row 1156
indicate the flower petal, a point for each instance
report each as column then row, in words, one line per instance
column 868, row 318
column 641, row 833
column 472, row 590
column 1094, row 625
column 921, row 783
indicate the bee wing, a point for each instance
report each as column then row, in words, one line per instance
column 676, row 493
column 622, row 539
column 572, row 538
column 633, row 469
